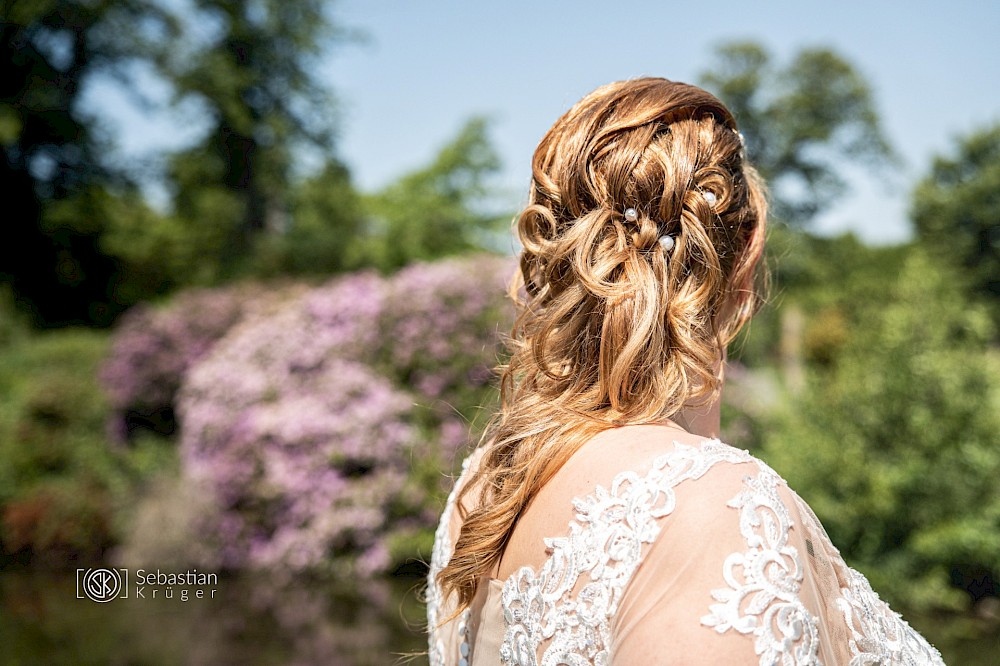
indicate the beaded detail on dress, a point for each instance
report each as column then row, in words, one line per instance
column 879, row 635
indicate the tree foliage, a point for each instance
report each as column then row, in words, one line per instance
column 802, row 122
column 53, row 179
column 956, row 212
column 326, row 232
column 253, row 67
column 825, row 282
column 906, row 415
column 62, row 488
column 435, row 210
column 84, row 244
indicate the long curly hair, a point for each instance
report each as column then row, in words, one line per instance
column 613, row 328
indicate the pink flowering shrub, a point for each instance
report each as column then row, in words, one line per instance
column 441, row 324
column 323, row 429
column 440, row 328
column 153, row 347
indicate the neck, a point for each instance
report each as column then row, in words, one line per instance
column 702, row 420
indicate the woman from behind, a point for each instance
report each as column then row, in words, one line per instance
column 600, row 521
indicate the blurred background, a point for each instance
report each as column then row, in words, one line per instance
column 251, row 293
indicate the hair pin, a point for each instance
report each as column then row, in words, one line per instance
column 631, row 214
column 667, row 243
column 710, row 198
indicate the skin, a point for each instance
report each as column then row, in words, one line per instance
column 704, row 419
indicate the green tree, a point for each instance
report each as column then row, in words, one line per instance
column 53, row 180
column 438, row 209
column 821, row 286
column 327, row 228
column 801, row 122
column 254, row 67
column 956, row 212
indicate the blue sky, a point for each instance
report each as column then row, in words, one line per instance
column 427, row 66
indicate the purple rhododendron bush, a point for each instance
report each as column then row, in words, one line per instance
column 153, row 346
column 323, row 430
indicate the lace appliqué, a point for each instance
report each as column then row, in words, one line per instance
column 878, row 635
column 764, row 581
column 606, row 542
column 440, row 555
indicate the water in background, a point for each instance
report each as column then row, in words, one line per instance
column 248, row 622
column 253, row 621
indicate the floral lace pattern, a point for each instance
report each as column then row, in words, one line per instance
column 562, row 613
column 763, row 595
column 764, row 581
column 440, row 554
column 878, row 635
column 605, row 543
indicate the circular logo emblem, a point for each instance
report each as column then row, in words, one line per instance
column 102, row 585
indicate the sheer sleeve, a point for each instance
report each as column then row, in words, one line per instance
column 705, row 593
column 743, row 573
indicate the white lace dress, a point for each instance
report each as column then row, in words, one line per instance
column 645, row 550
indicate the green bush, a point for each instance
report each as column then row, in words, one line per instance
column 894, row 442
column 62, row 488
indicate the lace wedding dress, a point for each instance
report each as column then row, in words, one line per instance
column 646, row 550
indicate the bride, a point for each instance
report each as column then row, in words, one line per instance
column 601, row 521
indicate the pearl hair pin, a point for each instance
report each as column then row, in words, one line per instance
column 710, row 198
column 666, row 242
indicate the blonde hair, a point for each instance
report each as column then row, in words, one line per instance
column 612, row 329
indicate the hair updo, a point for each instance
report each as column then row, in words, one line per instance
column 612, row 328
